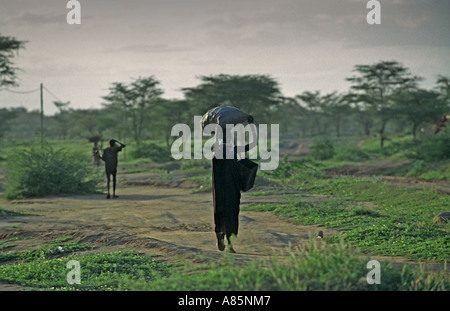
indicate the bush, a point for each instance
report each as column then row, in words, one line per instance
column 432, row 148
column 302, row 170
column 38, row 171
column 194, row 165
column 152, row 151
column 350, row 153
column 322, row 149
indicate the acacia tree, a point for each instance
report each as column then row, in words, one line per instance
column 335, row 108
column 443, row 87
column 9, row 46
column 292, row 117
column 418, row 106
column 133, row 104
column 376, row 83
column 6, row 115
column 361, row 109
column 63, row 118
column 323, row 111
column 312, row 104
column 170, row 112
column 258, row 95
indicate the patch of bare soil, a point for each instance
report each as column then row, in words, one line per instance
column 378, row 168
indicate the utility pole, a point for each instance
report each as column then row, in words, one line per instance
column 42, row 116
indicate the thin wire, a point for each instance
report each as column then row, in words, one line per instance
column 32, row 91
column 51, row 93
column 20, row 92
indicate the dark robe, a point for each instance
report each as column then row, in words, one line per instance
column 226, row 194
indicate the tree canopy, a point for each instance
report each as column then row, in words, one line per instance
column 9, row 47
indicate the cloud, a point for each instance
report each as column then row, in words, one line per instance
column 309, row 22
column 148, row 48
column 25, row 19
column 306, row 44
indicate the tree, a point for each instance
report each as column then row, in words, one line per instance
column 418, row 106
column 359, row 107
column 170, row 112
column 63, row 118
column 313, row 104
column 5, row 116
column 443, row 87
column 375, row 83
column 291, row 117
column 258, row 95
column 116, row 107
column 335, row 108
column 134, row 103
column 9, row 46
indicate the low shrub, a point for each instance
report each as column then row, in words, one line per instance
column 151, row 151
column 322, row 148
column 37, row 171
column 350, row 153
column 432, row 148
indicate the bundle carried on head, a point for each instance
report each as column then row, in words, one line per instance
column 94, row 139
column 224, row 115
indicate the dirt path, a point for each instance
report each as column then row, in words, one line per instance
column 168, row 221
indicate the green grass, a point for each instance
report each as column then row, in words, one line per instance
column 379, row 218
column 44, row 253
column 46, row 268
column 311, row 267
column 314, row 267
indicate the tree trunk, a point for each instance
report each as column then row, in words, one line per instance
column 414, row 130
column 382, row 137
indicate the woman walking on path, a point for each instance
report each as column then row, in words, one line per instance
column 226, row 190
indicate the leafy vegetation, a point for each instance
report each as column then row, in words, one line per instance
column 399, row 221
column 322, row 148
column 313, row 266
column 41, row 170
column 310, row 267
column 104, row 272
column 152, row 151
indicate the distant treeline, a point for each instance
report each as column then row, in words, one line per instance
column 383, row 98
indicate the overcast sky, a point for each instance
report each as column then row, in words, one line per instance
column 303, row 44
